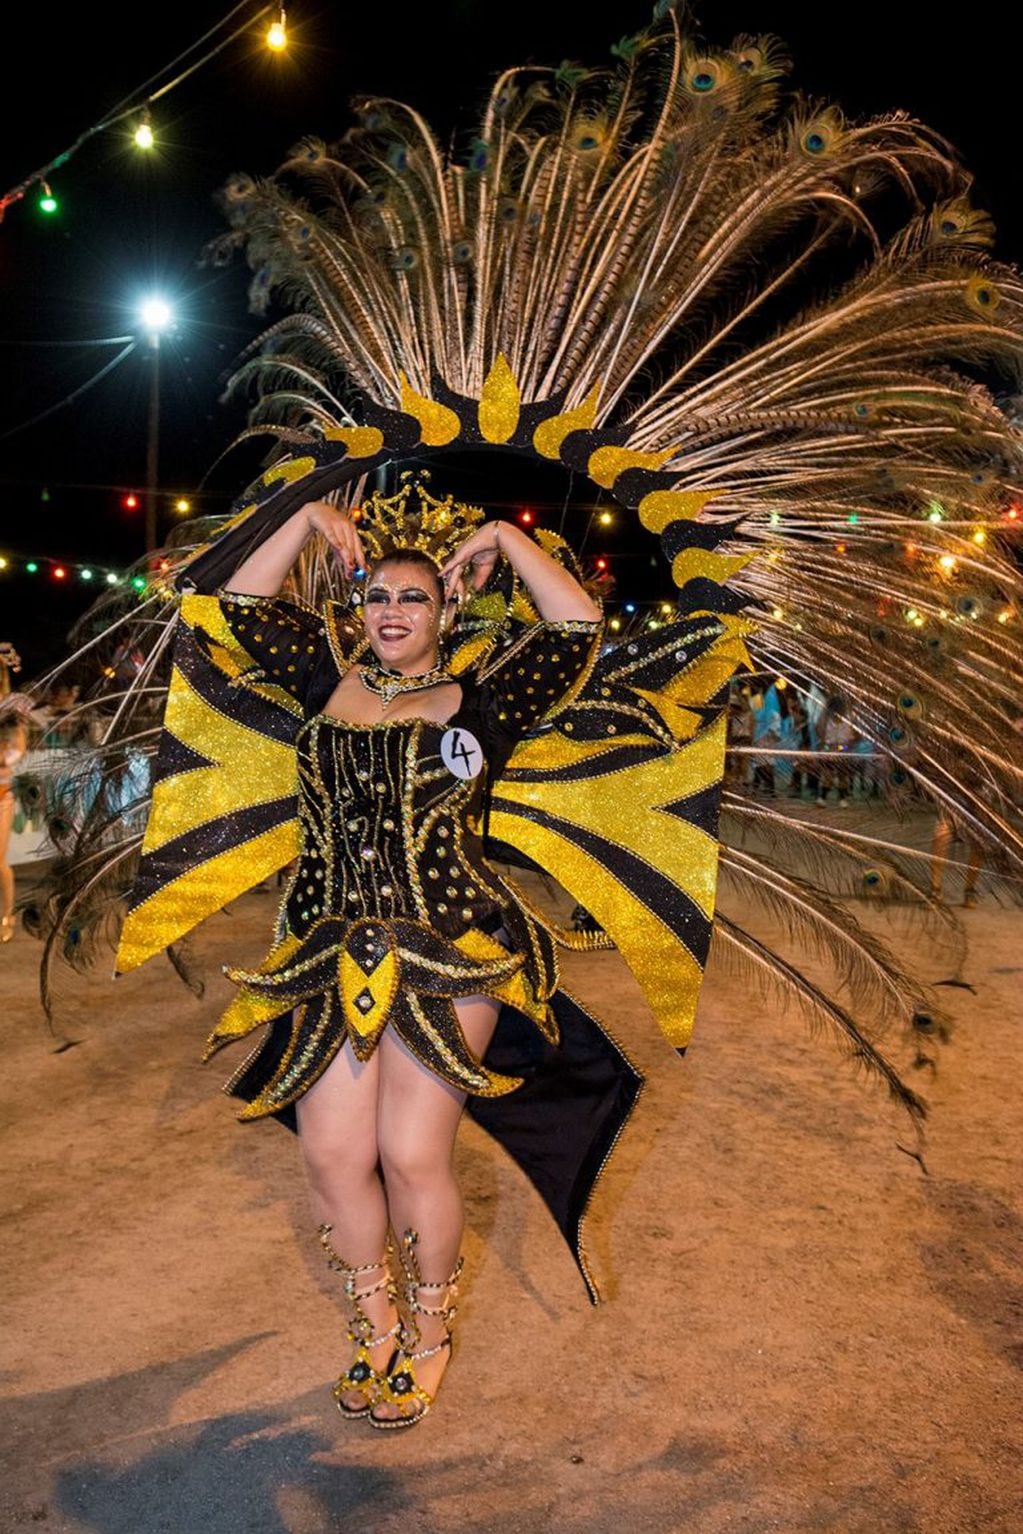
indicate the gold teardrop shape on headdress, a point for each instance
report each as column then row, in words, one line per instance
column 437, row 424
column 607, row 463
column 361, row 441
column 660, row 507
column 289, row 470
column 499, row 403
column 550, row 434
column 694, row 564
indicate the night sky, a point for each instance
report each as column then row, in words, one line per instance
column 130, row 222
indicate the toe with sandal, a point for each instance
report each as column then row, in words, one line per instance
column 405, row 1401
column 362, row 1379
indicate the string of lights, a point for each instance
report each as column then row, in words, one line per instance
column 137, row 105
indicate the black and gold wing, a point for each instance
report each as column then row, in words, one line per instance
column 223, row 813
column 618, row 798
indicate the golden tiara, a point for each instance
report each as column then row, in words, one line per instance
column 413, row 518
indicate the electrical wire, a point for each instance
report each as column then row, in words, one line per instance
column 137, row 101
column 75, row 394
column 99, row 341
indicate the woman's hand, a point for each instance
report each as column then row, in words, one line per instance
column 475, row 558
column 339, row 531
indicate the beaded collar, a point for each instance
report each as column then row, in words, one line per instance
column 388, row 684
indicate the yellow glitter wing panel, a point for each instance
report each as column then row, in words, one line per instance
column 619, row 800
column 223, row 814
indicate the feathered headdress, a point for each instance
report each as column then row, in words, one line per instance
column 767, row 331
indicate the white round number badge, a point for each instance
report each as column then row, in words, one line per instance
column 461, row 753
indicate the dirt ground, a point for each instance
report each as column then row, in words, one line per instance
column 803, row 1330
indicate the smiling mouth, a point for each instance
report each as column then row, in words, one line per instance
column 392, row 631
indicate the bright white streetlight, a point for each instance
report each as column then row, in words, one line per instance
column 156, row 314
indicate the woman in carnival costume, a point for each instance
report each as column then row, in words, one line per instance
column 588, row 287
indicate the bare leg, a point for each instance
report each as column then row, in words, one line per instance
column 940, row 848
column 6, row 871
column 337, row 1125
column 417, row 1123
column 975, row 862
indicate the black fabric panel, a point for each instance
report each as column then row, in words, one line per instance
column 657, row 893
column 562, row 1123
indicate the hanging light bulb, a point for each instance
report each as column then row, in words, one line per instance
column 277, row 36
column 144, row 136
column 47, row 202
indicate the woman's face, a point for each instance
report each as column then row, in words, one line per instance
column 402, row 609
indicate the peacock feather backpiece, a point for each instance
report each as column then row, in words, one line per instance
column 776, row 336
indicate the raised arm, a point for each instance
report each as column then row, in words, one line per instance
column 556, row 594
column 264, row 572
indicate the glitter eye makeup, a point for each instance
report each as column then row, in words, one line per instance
column 405, row 597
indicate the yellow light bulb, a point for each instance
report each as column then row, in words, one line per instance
column 1005, row 615
column 776, row 612
column 182, row 505
column 3, row 563
column 616, row 624
column 947, row 562
column 606, row 519
column 144, row 136
column 980, row 536
column 277, row 36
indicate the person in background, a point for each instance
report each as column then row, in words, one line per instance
column 766, row 708
column 13, row 742
column 59, row 717
column 838, row 736
column 795, row 737
column 740, row 734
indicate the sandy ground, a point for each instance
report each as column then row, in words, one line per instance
column 804, row 1332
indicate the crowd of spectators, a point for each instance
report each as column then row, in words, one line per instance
column 839, row 761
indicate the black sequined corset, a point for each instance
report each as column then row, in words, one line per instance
column 388, row 828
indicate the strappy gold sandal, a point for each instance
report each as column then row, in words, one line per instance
column 400, row 1386
column 361, row 1377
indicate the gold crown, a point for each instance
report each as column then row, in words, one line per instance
column 412, row 518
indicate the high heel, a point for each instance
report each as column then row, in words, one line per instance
column 400, row 1386
column 361, row 1377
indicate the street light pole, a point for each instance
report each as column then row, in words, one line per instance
column 153, row 441
column 156, row 316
